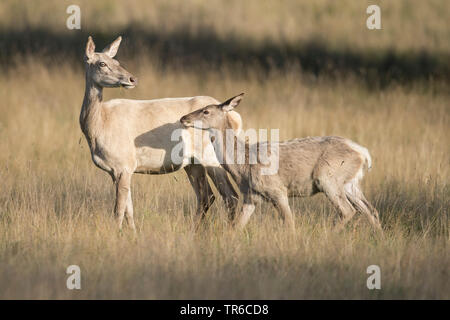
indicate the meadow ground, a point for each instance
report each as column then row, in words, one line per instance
column 56, row 206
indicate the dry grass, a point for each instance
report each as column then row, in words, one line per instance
column 55, row 205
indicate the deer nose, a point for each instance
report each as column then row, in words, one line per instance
column 133, row 80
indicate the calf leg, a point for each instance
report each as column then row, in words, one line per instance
column 339, row 199
column 281, row 203
column 359, row 201
column 223, row 184
column 205, row 197
column 247, row 210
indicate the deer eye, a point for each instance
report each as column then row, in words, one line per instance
column 102, row 64
column 205, row 112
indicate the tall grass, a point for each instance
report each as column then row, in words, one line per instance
column 56, row 206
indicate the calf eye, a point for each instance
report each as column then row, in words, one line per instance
column 205, row 112
column 102, row 64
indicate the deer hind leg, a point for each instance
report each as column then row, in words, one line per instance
column 223, row 184
column 359, row 201
column 336, row 194
column 122, row 183
column 205, row 196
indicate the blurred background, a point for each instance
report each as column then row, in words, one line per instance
column 321, row 38
column 307, row 67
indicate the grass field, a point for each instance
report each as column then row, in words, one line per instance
column 309, row 68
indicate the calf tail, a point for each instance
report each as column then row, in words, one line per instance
column 363, row 152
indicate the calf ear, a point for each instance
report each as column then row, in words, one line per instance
column 90, row 48
column 232, row 103
column 111, row 49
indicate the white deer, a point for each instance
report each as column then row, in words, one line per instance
column 134, row 136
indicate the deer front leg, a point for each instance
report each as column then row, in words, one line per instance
column 280, row 201
column 122, row 184
column 129, row 212
column 205, row 196
column 247, row 210
column 223, row 184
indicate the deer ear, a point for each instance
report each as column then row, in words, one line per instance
column 232, row 103
column 235, row 120
column 90, row 48
column 111, row 49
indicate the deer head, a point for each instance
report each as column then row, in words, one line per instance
column 104, row 70
column 214, row 116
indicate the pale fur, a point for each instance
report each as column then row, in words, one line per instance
column 332, row 165
column 134, row 136
column 363, row 151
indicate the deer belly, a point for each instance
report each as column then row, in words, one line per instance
column 158, row 161
column 301, row 188
column 176, row 155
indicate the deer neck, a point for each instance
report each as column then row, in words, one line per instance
column 91, row 111
column 231, row 162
